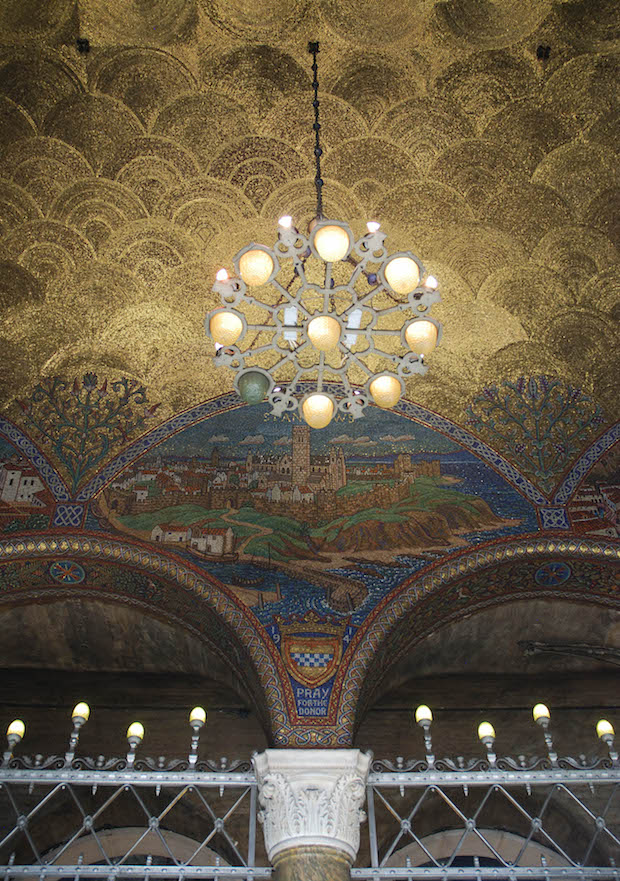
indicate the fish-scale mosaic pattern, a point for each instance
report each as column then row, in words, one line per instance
column 130, row 173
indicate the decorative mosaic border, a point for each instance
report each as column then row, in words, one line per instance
column 248, row 629
column 476, row 446
column 585, row 463
column 395, row 607
column 164, row 431
column 25, row 445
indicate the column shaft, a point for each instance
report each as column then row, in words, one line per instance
column 311, row 864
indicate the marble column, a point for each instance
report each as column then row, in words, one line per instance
column 311, row 810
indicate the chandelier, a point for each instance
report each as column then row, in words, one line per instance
column 323, row 322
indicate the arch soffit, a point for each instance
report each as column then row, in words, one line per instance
column 440, row 594
column 204, row 605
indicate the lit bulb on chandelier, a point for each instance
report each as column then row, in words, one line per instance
column 386, row 391
column 402, row 274
column 324, row 333
column 255, row 267
column 225, row 328
column 317, row 410
column 323, row 321
column 331, row 242
column 421, row 336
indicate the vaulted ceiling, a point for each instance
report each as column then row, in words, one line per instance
column 131, row 172
column 144, row 142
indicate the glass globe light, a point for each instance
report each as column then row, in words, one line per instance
column 16, row 728
column 253, row 386
column 385, row 391
column 485, row 729
column 423, row 714
column 324, row 333
column 81, row 711
column 225, row 328
column 255, row 267
column 402, row 274
column 421, row 336
column 332, row 243
column 136, row 730
column 198, row 714
column 604, row 728
column 318, row 410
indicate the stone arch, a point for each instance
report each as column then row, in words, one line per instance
column 116, row 842
column 508, row 845
column 466, row 582
column 158, row 582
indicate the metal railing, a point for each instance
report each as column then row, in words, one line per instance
column 508, row 818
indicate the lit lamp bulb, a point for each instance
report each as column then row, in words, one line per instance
column 79, row 717
column 423, row 714
column 135, row 735
column 486, row 732
column 324, row 333
column 14, row 734
column 332, row 243
column 221, row 275
column 431, row 282
column 424, row 717
column 318, row 410
column 16, row 730
column 135, row 732
column 80, row 711
column 386, row 391
column 197, row 717
column 541, row 714
column 255, row 267
column 604, row 729
column 421, row 336
column 225, row 328
column 286, row 221
column 373, row 226
column 402, row 274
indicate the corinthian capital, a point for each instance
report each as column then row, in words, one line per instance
column 311, row 797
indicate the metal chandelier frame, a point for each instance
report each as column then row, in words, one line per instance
column 373, row 317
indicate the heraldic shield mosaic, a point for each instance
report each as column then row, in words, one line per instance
column 310, row 529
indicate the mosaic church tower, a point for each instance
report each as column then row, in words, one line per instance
column 301, row 454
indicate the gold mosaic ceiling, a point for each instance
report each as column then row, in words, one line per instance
column 131, row 173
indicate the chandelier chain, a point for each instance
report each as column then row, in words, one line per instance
column 313, row 49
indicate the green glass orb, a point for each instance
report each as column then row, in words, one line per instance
column 253, row 387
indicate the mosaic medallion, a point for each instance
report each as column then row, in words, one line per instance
column 67, row 572
column 552, row 574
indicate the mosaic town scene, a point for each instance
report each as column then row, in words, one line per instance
column 291, row 518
